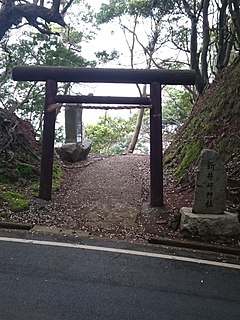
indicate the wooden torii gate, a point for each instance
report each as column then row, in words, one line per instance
column 52, row 75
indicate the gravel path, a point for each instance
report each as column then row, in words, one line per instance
column 108, row 192
column 108, row 197
column 102, row 196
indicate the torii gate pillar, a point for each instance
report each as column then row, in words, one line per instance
column 156, row 149
column 45, row 189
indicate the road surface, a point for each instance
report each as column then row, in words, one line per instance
column 56, row 280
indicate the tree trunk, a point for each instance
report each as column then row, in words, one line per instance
column 134, row 139
column 206, row 41
column 193, row 14
column 138, row 126
column 221, row 43
column 200, row 84
column 235, row 14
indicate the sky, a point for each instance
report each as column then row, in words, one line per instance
column 109, row 37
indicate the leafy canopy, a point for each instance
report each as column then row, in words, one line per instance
column 111, row 135
column 27, row 98
column 143, row 8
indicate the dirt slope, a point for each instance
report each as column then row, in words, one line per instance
column 19, row 150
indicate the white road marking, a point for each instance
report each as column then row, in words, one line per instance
column 122, row 251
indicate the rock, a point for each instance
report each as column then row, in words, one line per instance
column 211, row 184
column 207, row 217
column 74, row 152
column 226, row 225
column 175, row 221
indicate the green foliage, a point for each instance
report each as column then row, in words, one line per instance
column 143, row 8
column 59, row 134
column 112, row 135
column 57, row 175
column 114, row 9
column 41, row 49
column 37, row 49
column 10, row 173
column 176, row 106
column 56, row 180
column 105, row 57
column 3, row 215
column 27, row 171
column 109, row 135
column 190, row 155
column 16, row 201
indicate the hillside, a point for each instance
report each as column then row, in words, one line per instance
column 19, row 150
column 213, row 123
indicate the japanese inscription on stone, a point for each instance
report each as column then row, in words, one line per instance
column 210, row 190
column 211, row 184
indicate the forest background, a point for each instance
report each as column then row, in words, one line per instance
column 201, row 35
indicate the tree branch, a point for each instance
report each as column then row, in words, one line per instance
column 12, row 14
column 55, row 6
column 235, row 14
column 67, row 6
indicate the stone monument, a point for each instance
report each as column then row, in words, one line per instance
column 75, row 147
column 74, row 152
column 208, row 217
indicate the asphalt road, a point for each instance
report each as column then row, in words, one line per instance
column 40, row 281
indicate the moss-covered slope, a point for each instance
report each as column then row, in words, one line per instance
column 20, row 158
column 214, row 123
